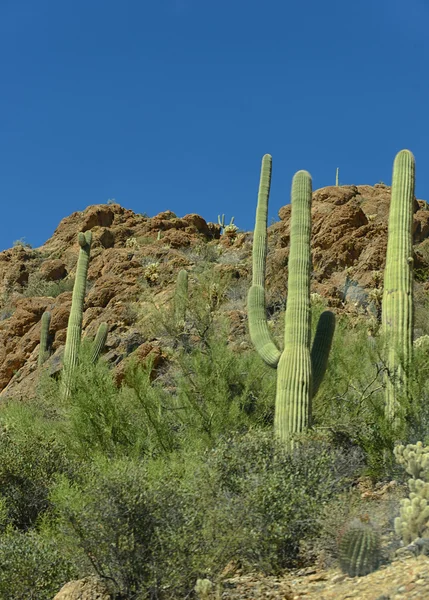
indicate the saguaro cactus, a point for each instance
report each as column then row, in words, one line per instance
column 44, row 337
column 74, row 327
column 397, row 305
column 181, row 297
column 296, row 365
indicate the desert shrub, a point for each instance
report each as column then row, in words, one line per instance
column 218, row 389
column 275, row 498
column 31, row 566
column 100, row 418
column 108, row 522
column 155, row 527
column 353, row 388
column 38, row 286
column 30, row 456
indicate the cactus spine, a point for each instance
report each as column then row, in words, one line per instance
column 44, row 337
column 99, row 342
column 74, row 327
column 397, row 306
column 359, row 549
column 296, row 365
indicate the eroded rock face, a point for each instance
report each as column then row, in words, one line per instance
column 349, row 241
column 88, row 588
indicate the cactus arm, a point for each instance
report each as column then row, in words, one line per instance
column 258, row 326
column 321, row 348
column 99, row 342
column 294, row 380
column 74, row 327
column 397, row 306
column 44, row 337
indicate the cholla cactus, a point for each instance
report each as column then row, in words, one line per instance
column 422, row 342
column 359, row 548
column 131, row 243
column 151, row 273
column 203, row 589
column 413, row 522
column 231, row 229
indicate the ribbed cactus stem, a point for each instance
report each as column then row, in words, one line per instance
column 99, row 342
column 74, row 327
column 294, row 379
column 258, row 326
column 181, row 297
column 397, row 306
column 44, row 337
column 321, row 348
column 294, row 364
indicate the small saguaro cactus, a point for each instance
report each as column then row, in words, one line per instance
column 397, row 304
column 99, row 342
column 181, row 297
column 221, row 222
column 300, row 371
column 359, row 548
column 44, row 337
column 74, row 327
column 337, row 172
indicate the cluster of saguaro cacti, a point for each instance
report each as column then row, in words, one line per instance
column 359, row 548
column 221, row 222
column 299, row 371
column 397, row 304
column 413, row 521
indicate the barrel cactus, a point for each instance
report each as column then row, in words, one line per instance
column 300, row 371
column 359, row 548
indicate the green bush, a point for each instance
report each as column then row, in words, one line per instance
column 155, row 527
column 31, row 566
column 30, row 457
column 38, row 286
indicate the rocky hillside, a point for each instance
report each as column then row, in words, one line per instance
column 131, row 252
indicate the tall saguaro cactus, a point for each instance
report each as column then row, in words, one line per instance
column 397, row 306
column 296, row 365
column 74, row 327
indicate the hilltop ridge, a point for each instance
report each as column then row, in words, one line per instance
column 349, row 240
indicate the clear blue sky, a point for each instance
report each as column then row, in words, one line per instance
column 170, row 104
